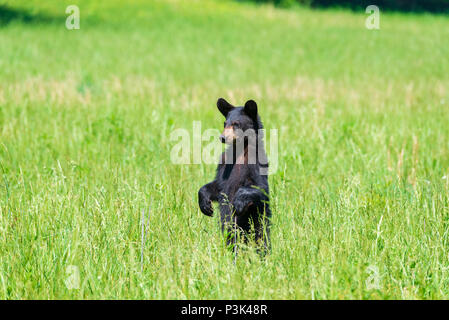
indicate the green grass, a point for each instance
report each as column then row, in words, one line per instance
column 85, row 119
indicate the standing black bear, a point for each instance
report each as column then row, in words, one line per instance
column 241, row 182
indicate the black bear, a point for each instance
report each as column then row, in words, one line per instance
column 241, row 182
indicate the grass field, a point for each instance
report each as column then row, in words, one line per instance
column 360, row 197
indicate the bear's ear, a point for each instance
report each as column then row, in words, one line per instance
column 224, row 106
column 251, row 109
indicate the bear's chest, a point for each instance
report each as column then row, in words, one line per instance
column 234, row 176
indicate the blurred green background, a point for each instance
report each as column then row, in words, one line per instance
column 435, row 6
column 361, row 191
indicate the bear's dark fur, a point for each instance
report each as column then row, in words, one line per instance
column 241, row 183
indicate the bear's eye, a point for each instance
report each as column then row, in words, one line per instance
column 236, row 124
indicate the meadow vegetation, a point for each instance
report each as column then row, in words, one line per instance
column 360, row 198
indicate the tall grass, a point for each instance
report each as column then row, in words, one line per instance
column 85, row 118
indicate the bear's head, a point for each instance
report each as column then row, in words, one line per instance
column 241, row 122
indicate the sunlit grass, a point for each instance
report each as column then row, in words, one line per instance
column 85, row 118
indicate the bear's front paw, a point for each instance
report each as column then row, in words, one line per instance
column 206, row 207
column 240, row 206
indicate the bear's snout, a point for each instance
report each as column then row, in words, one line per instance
column 228, row 135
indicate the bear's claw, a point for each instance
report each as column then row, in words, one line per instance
column 206, row 208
